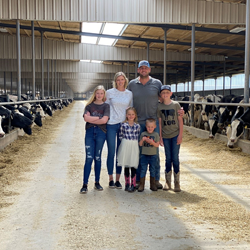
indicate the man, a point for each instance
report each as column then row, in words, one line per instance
column 146, row 94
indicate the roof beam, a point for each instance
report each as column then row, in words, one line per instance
column 125, row 37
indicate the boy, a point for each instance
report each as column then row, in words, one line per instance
column 171, row 131
column 149, row 141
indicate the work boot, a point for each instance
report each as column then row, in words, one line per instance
column 177, row 187
column 152, row 184
column 142, row 184
column 158, row 184
column 168, row 180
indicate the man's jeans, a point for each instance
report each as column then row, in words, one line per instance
column 113, row 143
column 152, row 161
column 158, row 167
column 94, row 141
column 172, row 154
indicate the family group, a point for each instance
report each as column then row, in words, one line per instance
column 134, row 118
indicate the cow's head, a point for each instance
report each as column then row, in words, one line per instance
column 213, row 122
column 234, row 132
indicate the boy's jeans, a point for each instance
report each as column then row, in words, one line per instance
column 113, row 143
column 172, row 154
column 94, row 141
column 150, row 160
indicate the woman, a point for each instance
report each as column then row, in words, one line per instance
column 119, row 99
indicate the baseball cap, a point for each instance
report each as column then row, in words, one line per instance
column 167, row 87
column 144, row 63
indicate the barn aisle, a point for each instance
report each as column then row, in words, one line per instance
column 50, row 213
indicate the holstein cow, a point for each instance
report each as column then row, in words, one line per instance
column 2, row 134
column 237, row 128
column 186, row 108
column 226, row 113
column 18, row 119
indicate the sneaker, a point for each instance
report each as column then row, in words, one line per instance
column 118, row 185
column 126, row 187
column 98, row 186
column 111, row 184
column 84, row 189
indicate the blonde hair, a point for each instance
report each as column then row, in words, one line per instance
column 133, row 109
column 150, row 120
column 93, row 98
column 115, row 78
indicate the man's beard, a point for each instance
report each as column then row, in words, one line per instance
column 144, row 77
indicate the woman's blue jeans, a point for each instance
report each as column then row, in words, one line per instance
column 113, row 143
column 94, row 141
column 172, row 154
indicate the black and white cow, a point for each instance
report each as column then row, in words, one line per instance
column 186, row 108
column 226, row 113
column 2, row 133
column 237, row 128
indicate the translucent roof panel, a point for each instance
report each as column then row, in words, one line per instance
column 91, row 28
column 89, row 39
column 101, row 28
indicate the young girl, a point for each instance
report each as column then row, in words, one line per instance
column 96, row 115
column 128, row 152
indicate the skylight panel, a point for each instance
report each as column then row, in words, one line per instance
column 106, row 41
column 91, row 28
column 113, row 29
column 88, row 39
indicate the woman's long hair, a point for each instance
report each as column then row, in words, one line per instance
column 93, row 98
column 116, row 76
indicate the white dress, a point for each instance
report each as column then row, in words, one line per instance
column 128, row 153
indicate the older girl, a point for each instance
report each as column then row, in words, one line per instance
column 119, row 98
column 96, row 115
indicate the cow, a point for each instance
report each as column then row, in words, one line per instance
column 226, row 113
column 237, row 128
column 186, row 108
column 46, row 108
column 2, row 133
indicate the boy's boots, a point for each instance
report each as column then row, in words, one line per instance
column 127, row 182
column 142, row 184
column 158, row 184
column 168, row 180
column 177, row 187
column 133, row 184
column 153, row 186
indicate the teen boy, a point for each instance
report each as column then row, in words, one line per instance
column 171, row 131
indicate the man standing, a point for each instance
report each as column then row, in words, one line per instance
column 146, row 93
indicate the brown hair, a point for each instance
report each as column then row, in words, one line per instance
column 133, row 109
column 116, row 76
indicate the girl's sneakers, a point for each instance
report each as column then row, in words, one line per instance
column 98, row 186
column 118, row 185
column 111, row 184
column 84, row 189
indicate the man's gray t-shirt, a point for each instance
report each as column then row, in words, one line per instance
column 145, row 98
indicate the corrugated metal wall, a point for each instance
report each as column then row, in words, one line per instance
column 129, row 11
column 74, row 51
